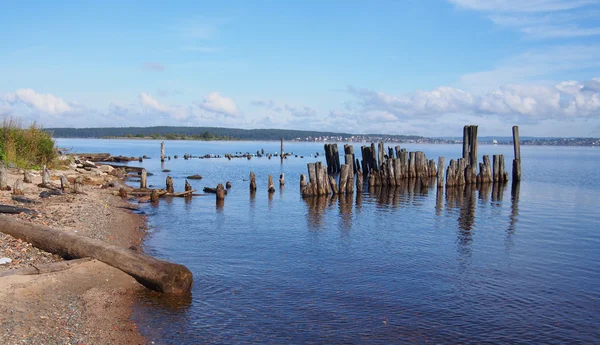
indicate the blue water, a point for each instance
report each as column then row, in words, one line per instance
column 519, row 264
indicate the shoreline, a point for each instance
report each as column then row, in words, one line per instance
column 89, row 302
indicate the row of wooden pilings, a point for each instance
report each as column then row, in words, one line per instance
column 396, row 165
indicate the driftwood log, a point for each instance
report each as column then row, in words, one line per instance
column 157, row 275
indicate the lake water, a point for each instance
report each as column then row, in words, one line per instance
column 519, row 264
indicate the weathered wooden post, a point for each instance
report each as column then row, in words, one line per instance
column 381, row 153
column 26, row 177
column 333, row 184
column 343, row 178
column 336, row 157
column 228, row 185
column 412, row 173
column 466, row 138
column 516, row 173
column 144, row 175
column 440, row 172
column 78, row 185
column 64, row 183
column 154, row 196
column 281, row 180
column 271, row 187
column 302, row 182
column 162, row 151
column 45, row 176
column 123, row 193
column 220, row 192
column 282, row 154
column 188, row 186
column 252, row 182
column 18, row 188
column 170, row 188
column 359, row 181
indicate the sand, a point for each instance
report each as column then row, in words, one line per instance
column 86, row 303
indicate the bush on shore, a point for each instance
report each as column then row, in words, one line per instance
column 25, row 147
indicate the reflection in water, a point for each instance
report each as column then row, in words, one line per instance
column 439, row 201
column 220, row 204
column 514, row 214
column 484, row 192
column 359, row 199
column 316, row 208
column 498, row 193
column 346, row 204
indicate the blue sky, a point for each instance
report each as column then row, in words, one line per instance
column 424, row 67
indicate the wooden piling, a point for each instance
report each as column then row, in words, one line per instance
column 302, row 182
column 162, row 151
column 281, row 153
column 169, row 183
column 220, row 192
column 281, row 180
column 343, row 178
column 440, row 172
column 412, row 173
column 271, row 187
column 333, row 184
column 496, row 175
column 381, row 153
column 336, row 158
column 359, row 181
column 252, row 182
column 154, row 196
column 373, row 158
column 143, row 177
column 516, row 171
column 188, row 186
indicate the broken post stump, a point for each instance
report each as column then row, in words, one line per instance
column 271, row 187
column 252, row 182
column 26, row 177
column 170, row 188
column 154, row 195
column 143, row 177
column 220, row 192
column 18, row 188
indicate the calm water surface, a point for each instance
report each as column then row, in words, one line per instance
column 519, row 264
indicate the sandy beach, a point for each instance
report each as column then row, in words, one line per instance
column 86, row 302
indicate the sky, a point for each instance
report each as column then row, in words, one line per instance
column 418, row 67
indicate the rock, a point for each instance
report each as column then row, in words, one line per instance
column 5, row 261
column 23, row 200
column 88, row 164
column 166, row 170
column 195, row 177
column 106, row 168
column 49, row 193
column 11, row 165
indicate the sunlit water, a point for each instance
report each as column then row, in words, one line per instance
column 519, row 264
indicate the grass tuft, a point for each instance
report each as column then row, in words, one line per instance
column 28, row 148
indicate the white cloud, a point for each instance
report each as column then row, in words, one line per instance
column 149, row 102
column 294, row 111
column 523, row 5
column 216, row 103
column 533, row 65
column 541, row 19
column 46, row 103
column 565, row 100
column 303, row 111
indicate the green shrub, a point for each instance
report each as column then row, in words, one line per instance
column 26, row 148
